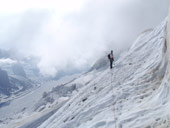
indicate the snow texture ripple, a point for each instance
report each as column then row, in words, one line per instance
column 140, row 91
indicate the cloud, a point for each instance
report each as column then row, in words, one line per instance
column 22, row 29
column 73, row 37
column 7, row 61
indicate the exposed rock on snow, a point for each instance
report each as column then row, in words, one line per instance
column 4, row 83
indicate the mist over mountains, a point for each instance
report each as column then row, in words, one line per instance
column 54, row 67
column 72, row 38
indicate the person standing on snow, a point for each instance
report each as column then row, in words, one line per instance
column 111, row 58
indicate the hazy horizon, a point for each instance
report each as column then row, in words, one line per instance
column 72, row 35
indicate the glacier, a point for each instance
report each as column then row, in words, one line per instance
column 134, row 94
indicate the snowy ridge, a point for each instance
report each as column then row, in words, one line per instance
column 139, row 95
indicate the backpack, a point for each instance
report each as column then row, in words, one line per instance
column 108, row 56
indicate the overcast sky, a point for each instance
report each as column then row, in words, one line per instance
column 73, row 34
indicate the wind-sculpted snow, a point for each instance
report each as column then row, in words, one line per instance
column 137, row 95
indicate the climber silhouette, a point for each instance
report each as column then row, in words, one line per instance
column 111, row 58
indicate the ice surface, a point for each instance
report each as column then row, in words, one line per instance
column 135, row 94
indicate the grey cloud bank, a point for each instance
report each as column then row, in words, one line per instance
column 76, row 40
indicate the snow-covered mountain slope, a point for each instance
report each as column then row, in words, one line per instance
column 31, row 108
column 135, row 94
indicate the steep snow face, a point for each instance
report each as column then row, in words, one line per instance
column 135, row 94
